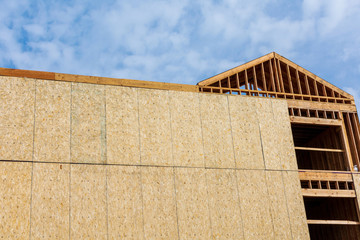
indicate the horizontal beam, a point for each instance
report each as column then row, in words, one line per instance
column 333, row 222
column 319, row 149
column 328, row 193
column 315, row 121
column 97, row 80
column 325, row 176
column 321, row 105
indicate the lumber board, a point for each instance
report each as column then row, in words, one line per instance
column 236, row 69
column 321, row 105
column 333, row 222
column 328, row 193
column 325, row 176
column 319, row 149
column 27, row 73
column 315, row 121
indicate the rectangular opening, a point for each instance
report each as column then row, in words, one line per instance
column 331, row 209
column 319, row 147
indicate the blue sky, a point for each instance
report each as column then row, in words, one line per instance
column 180, row 41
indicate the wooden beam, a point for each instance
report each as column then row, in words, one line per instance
column 272, row 77
column 345, row 141
column 321, row 105
column 315, row 121
column 333, row 222
column 289, row 79
column 27, row 74
column 328, row 193
column 236, row 69
column 263, row 77
column 325, row 175
column 317, row 78
column 319, row 149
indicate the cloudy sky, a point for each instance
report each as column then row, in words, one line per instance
column 180, row 41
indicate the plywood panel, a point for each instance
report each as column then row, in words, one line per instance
column 122, row 125
column 255, row 204
column 192, row 203
column 224, row 204
column 88, row 123
column 17, row 99
column 218, row 147
column 125, row 203
column 186, row 129
column 159, row 203
column 88, row 202
column 278, row 205
column 155, row 131
column 295, row 205
column 15, row 190
column 284, row 135
column 246, row 133
column 52, row 121
column 50, row 201
column 269, row 137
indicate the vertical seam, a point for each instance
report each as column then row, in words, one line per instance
column 206, row 181
column 106, row 169
column 32, row 158
column 287, row 207
column 268, row 197
column 235, row 174
column 70, row 136
column 140, row 168
column 172, row 154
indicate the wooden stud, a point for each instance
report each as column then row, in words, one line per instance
column 289, row 79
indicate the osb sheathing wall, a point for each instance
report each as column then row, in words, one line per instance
column 86, row 161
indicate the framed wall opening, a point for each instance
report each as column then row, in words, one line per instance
column 320, row 147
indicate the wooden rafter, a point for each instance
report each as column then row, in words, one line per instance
column 280, row 78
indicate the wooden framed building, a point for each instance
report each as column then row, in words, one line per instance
column 266, row 150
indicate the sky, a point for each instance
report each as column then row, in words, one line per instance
column 181, row 41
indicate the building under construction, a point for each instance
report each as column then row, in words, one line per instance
column 266, row 150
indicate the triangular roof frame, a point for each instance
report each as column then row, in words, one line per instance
column 265, row 58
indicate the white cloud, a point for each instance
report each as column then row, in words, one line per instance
column 174, row 41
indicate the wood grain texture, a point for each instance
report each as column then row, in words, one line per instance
column 52, row 121
column 192, row 203
column 215, row 119
column 88, row 202
column 186, row 129
column 124, row 202
column 155, row 130
column 122, row 125
column 50, row 201
column 88, row 124
column 15, row 194
column 17, row 118
column 159, row 203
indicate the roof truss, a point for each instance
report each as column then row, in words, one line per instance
column 275, row 76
